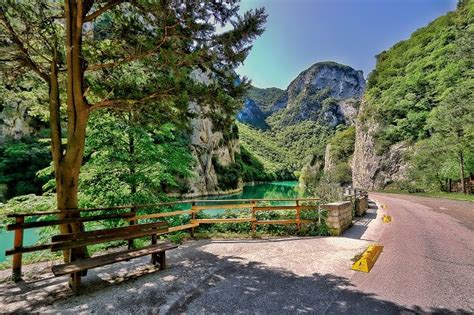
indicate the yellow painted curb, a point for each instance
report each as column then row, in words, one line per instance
column 368, row 258
column 387, row 218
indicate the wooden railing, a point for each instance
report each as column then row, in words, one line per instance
column 131, row 215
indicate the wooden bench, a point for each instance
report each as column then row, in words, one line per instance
column 81, row 239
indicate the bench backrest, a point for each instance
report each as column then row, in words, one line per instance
column 80, row 239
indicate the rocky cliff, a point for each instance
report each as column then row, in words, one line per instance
column 374, row 171
column 213, row 151
column 302, row 118
column 327, row 92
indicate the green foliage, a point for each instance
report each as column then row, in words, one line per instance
column 416, row 75
column 340, row 150
column 270, row 153
column 450, row 149
column 228, row 176
column 133, row 160
column 265, row 98
column 20, row 160
column 252, row 169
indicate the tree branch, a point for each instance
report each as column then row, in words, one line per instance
column 130, row 102
column 133, row 57
column 18, row 42
column 96, row 13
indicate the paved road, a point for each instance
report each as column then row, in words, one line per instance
column 427, row 266
column 428, row 260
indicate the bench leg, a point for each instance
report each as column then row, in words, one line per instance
column 154, row 259
column 75, row 282
column 162, row 258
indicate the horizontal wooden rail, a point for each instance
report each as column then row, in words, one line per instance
column 272, row 208
column 161, row 215
column 28, row 225
column 227, row 206
column 291, row 221
column 227, row 220
column 161, row 204
column 183, row 227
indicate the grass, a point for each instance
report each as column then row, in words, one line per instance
column 439, row 194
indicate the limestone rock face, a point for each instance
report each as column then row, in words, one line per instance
column 369, row 170
column 327, row 92
column 328, row 160
column 252, row 115
column 208, row 146
column 342, row 82
column 15, row 122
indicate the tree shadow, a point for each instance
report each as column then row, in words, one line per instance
column 200, row 282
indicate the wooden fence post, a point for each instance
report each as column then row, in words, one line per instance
column 17, row 243
column 193, row 217
column 319, row 213
column 298, row 222
column 133, row 210
column 254, row 218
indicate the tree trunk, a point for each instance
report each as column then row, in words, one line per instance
column 461, row 165
column 68, row 164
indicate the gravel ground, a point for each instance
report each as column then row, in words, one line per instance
column 221, row 276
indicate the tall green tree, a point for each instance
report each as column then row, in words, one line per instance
column 160, row 42
column 452, row 125
column 133, row 161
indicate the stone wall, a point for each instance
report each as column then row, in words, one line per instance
column 361, row 205
column 339, row 216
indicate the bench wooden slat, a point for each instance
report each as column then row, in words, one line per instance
column 27, row 225
column 108, row 238
column 89, row 263
column 103, row 232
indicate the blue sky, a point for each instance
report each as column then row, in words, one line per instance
column 302, row 32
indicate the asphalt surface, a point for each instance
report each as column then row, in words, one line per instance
column 427, row 266
column 428, row 261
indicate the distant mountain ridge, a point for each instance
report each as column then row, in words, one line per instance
column 303, row 117
column 327, row 92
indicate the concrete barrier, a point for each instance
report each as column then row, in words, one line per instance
column 368, row 258
column 339, row 216
column 361, row 205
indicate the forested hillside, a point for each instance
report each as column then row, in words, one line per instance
column 301, row 119
column 415, row 126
